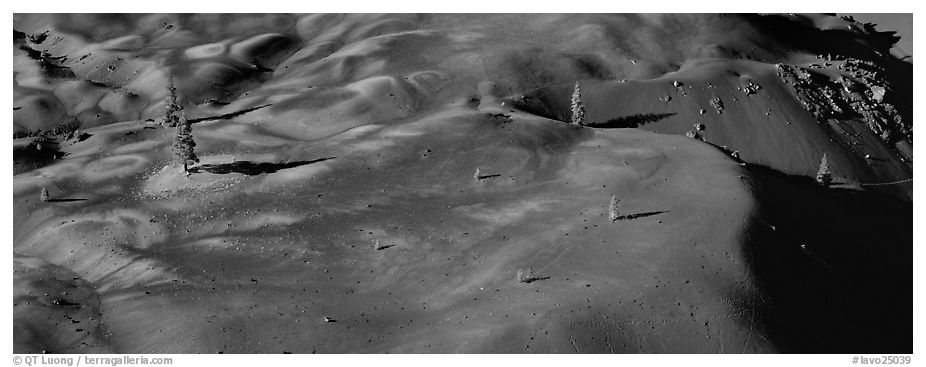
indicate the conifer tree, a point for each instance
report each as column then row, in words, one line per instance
column 174, row 111
column 184, row 144
column 824, row 176
column 578, row 108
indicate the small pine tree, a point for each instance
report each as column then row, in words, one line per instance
column 184, row 144
column 612, row 208
column 578, row 108
column 824, row 176
column 43, row 195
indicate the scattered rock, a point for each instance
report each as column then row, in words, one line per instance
column 751, row 88
column 862, row 93
column 717, row 103
column 694, row 134
column 877, row 93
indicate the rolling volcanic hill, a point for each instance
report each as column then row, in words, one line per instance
column 411, row 183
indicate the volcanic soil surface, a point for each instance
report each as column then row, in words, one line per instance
column 412, row 184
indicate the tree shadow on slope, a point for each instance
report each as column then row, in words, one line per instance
column 251, row 168
column 66, row 200
column 631, row 121
column 228, row 115
column 639, row 215
column 835, row 266
column 553, row 105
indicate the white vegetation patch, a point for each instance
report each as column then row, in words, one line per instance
column 113, row 167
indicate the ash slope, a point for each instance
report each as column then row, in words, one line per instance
column 393, row 246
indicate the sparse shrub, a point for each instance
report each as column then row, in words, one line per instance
column 694, row 134
column 612, row 208
column 477, row 176
column 578, row 108
column 43, row 195
column 526, row 275
column 824, row 176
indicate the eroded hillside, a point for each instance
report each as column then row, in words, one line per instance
column 384, row 183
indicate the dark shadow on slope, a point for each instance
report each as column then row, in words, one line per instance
column 37, row 154
column 801, row 34
column 251, row 168
column 835, row 266
column 228, row 115
column 551, row 103
column 51, row 66
column 534, row 279
column 631, row 121
column 64, row 200
column 869, row 44
column 639, row 215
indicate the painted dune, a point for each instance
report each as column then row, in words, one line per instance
column 383, row 183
